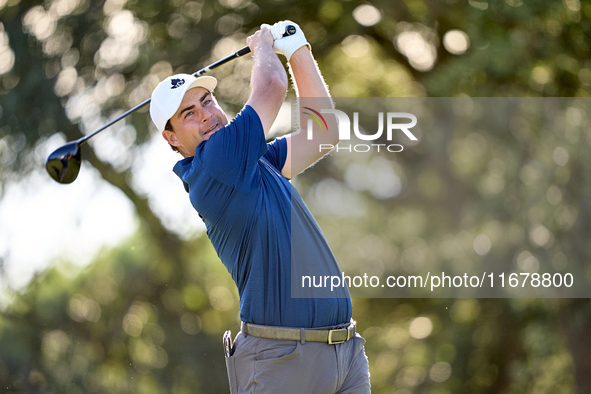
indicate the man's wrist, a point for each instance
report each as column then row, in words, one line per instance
column 304, row 50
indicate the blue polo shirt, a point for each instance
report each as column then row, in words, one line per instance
column 259, row 225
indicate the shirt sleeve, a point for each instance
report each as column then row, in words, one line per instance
column 231, row 154
column 277, row 153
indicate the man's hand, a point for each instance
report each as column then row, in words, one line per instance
column 260, row 37
column 289, row 44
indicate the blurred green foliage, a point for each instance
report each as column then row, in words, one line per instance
column 148, row 316
column 126, row 323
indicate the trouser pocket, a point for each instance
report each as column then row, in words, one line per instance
column 231, row 367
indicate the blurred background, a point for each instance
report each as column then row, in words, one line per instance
column 110, row 284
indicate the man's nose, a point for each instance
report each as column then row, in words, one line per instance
column 205, row 115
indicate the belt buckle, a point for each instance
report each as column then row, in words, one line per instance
column 330, row 332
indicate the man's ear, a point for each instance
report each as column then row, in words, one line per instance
column 170, row 137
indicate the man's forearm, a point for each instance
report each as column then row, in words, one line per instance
column 268, row 78
column 307, row 78
column 267, row 68
column 303, row 145
column 309, row 83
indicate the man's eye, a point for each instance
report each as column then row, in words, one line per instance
column 188, row 114
column 207, row 101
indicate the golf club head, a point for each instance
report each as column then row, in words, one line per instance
column 63, row 164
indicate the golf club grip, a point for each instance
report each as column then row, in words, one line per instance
column 243, row 51
column 289, row 31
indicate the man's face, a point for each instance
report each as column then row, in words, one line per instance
column 199, row 116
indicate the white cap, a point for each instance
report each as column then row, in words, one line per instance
column 168, row 95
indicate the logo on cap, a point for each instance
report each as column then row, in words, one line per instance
column 177, row 82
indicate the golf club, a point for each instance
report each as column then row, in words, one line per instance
column 63, row 164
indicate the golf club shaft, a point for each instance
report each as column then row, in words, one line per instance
column 289, row 30
column 204, row 70
column 225, row 60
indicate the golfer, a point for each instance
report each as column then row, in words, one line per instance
column 258, row 224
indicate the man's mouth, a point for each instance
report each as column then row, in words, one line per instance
column 210, row 129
